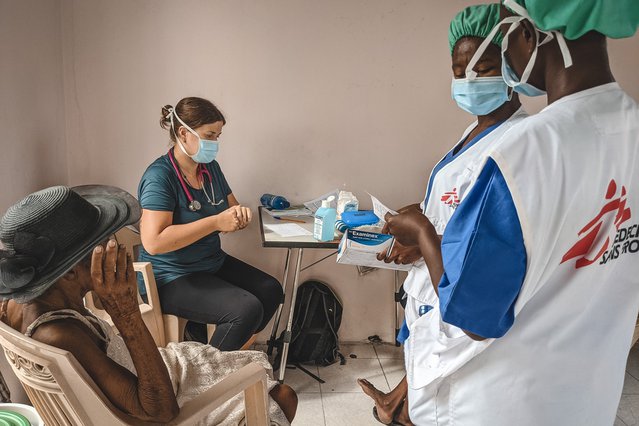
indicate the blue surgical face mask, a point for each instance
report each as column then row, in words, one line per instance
column 513, row 81
column 520, row 85
column 479, row 96
column 207, row 149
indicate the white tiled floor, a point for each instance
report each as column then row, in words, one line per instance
column 340, row 402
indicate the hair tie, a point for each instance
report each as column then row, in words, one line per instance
column 169, row 115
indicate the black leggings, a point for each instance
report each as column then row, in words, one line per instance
column 238, row 298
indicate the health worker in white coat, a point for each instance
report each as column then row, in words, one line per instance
column 539, row 264
column 497, row 108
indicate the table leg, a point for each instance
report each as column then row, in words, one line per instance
column 287, row 333
column 278, row 313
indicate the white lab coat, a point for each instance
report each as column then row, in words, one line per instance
column 458, row 176
column 562, row 362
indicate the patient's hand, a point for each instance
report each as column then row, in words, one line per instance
column 114, row 280
column 401, row 255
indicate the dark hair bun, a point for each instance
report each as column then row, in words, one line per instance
column 165, row 120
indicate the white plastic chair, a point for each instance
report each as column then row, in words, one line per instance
column 63, row 393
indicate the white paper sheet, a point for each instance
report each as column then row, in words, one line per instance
column 380, row 209
column 315, row 204
column 293, row 211
column 288, row 230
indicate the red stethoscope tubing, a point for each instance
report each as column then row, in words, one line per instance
column 201, row 172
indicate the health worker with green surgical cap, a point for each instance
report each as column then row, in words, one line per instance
column 496, row 108
column 538, row 266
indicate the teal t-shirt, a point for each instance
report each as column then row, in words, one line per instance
column 160, row 190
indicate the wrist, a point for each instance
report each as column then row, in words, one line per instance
column 214, row 223
column 127, row 316
column 425, row 238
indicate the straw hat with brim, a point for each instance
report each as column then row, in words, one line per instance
column 50, row 231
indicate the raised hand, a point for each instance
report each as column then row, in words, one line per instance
column 114, row 280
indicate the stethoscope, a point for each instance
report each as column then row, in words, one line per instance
column 195, row 205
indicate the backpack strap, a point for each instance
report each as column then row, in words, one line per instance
column 330, row 326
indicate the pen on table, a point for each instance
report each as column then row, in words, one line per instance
column 289, row 220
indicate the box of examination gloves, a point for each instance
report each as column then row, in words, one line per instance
column 361, row 247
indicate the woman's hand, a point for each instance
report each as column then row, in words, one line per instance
column 114, row 280
column 228, row 220
column 408, row 227
column 244, row 215
column 234, row 218
column 401, row 255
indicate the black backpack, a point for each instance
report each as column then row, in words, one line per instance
column 317, row 317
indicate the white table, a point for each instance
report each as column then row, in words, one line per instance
column 271, row 239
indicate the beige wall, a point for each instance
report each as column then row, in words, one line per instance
column 31, row 109
column 317, row 95
column 31, row 98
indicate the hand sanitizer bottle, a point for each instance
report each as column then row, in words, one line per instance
column 324, row 229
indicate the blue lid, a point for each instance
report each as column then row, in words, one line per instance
column 353, row 219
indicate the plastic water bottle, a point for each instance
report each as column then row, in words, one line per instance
column 276, row 202
column 324, row 229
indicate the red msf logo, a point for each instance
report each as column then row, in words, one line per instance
column 592, row 235
column 451, row 198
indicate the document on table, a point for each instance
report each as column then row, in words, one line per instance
column 380, row 209
column 293, row 211
column 315, row 204
column 288, row 230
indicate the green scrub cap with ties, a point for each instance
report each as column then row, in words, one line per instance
column 574, row 18
column 475, row 21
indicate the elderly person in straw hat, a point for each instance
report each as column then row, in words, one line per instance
column 53, row 255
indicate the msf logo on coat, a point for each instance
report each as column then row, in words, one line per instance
column 451, row 198
column 594, row 243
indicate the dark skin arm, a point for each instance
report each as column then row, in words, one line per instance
column 149, row 396
column 401, row 254
column 412, row 228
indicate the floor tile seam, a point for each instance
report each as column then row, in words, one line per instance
column 632, row 375
column 621, row 420
column 321, row 398
column 384, row 373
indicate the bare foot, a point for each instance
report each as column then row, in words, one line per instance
column 385, row 404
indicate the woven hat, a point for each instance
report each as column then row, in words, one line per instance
column 50, row 231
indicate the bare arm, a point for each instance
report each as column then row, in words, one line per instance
column 149, row 396
column 159, row 234
column 414, row 228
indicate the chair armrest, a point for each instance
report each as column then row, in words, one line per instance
column 151, row 310
column 251, row 379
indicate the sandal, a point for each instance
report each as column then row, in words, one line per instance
column 393, row 422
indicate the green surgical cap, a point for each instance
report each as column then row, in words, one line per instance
column 574, row 18
column 475, row 21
